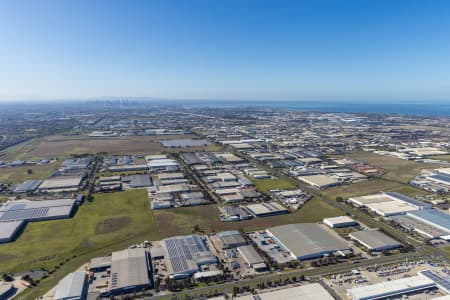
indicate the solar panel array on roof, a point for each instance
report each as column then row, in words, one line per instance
column 14, row 214
column 186, row 252
column 31, row 210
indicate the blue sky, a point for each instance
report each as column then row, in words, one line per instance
column 246, row 49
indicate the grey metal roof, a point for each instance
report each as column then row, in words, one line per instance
column 72, row 287
column 28, row 186
column 374, row 239
column 250, row 255
column 308, row 239
column 191, row 158
column 231, row 240
column 9, row 229
column 100, row 262
column 139, row 180
column 129, row 268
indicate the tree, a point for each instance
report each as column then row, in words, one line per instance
column 29, row 171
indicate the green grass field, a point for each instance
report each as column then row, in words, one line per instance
column 113, row 222
column 110, row 222
column 265, row 185
column 398, row 170
column 20, row 174
column 182, row 220
column 446, row 251
column 371, row 186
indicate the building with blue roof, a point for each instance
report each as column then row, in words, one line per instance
column 433, row 217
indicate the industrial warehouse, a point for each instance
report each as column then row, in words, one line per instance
column 185, row 255
column 338, row 222
column 308, row 241
column 437, row 180
column 424, row 281
column 252, row 258
column 388, row 203
column 130, row 271
column 266, row 209
column 73, row 286
column 28, row 186
column 231, row 239
column 15, row 214
column 430, row 223
column 61, row 184
column 123, row 272
column 374, row 240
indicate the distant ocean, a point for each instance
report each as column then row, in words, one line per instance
column 413, row 108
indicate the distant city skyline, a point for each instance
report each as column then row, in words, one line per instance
column 225, row 50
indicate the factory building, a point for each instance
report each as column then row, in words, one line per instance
column 430, row 223
column 128, row 168
column 61, row 184
column 160, row 163
column 252, row 258
column 99, row 264
column 312, row 291
column 185, row 255
column 266, row 209
column 72, row 287
column 137, row 181
column 231, row 239
column 389, row 204
column 319, row 181
column 337, row 222
column 130, row 271
column 28, row 186
column 191, row 158
column 15, row 214
column 10, row 229
column 375, row 240
column 391, row 289
column 308, row 240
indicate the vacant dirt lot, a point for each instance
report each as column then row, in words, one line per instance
column 398, row 170
column 112, row 225
column 178, row 221
column 58, row 146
